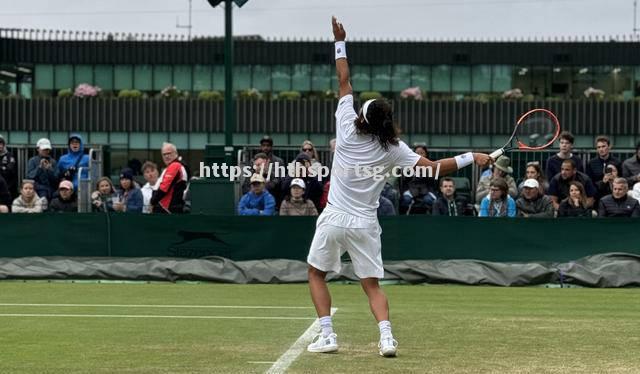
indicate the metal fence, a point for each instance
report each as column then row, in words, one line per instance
column 436, row 117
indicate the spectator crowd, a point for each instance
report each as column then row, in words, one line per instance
column 562, row 186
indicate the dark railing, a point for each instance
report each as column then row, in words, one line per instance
column 436, row 117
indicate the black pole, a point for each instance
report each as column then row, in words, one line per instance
column 229, row 107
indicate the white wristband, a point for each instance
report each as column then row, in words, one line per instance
column 464, row 159
column 341, row 49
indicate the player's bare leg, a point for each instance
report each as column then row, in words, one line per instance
column 380, row 309
column 326, row 341
column 319, row 292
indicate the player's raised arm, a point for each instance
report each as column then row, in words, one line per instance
column 342, row 66
column 450, row 165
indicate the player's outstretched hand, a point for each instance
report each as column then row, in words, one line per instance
column 338, row 31
column 482, row 159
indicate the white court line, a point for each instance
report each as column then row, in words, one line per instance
column 164, row 306
column 147, row 316
column 297, row 348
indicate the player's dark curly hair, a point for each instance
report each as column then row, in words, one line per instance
column 380, row 126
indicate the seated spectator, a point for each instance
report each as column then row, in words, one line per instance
column 168, row 196
column 605, row 186
column 29, row 201
column 8, row 168
column 559, row 184
column 313, row 191
column 43, row 169
column 420, row 191
column 554, row 163
column 534, row 171
column 73, row 160
column 295, row 204
column 129, row 195
column 575, row 205
column 5, row 196
column 498, row 203
column 502, row 170
column 102, row 198
column 258, row 201
column 532, row 203
column 619, row 204
column 309, row 149
column 596, row 168
column 447, row 204
column 266, row 147
column 273, row 184
column 385, row 207
column 151, row 175
column 631, row 167
column 66, row 201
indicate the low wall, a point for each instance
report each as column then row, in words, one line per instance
column 251, row 238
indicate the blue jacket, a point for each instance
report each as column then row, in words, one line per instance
column 69, row 160
column 134, row 200
column 484, row 207
column 257, row 205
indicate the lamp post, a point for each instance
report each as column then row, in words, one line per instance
column 229, row 105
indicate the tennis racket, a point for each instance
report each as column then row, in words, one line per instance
column 536, row 129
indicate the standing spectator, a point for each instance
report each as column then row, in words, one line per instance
column 532, row 203
column 67, row 201
column 266, row 147
column 309, row 149
column 597, row 166
column 313, row 191
column 73, row 160
column 605, row 186
column 554, row 163
column 295, row 204
column 273, row 184
column 498, row 203
column 534, row 171
column 559, row 185
column 151, row 174
column 102, row 197
column 447, row 204
column 5, row 196
column 258, row 201
column 575, row 205
column 29, row 201
column 129, row 195
column 43, row 170
column 619, row 204
column 631, row 167
column 169, row 195
column 8, row 168
column 501, row 170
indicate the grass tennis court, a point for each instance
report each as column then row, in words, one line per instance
column 218, row 328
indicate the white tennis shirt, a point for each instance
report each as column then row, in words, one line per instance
column 358, row 159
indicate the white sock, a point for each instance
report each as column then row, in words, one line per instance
column 385, row 328
column 326, row 325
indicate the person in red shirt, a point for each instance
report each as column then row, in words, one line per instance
column 169, row 196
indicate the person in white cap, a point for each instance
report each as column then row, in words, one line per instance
column 258, row 201
column 43, row 170
column 532, row 203
column 295, row 204
column 365, row 141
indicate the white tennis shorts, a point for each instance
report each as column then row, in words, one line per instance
column 337, row 232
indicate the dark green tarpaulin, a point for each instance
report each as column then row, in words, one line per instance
column 253, row 238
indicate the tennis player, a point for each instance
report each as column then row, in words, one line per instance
column 366, row 142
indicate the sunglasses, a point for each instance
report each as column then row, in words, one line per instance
column 307, row 149
column 531, row 163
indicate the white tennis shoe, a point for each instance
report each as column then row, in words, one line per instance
column 388, row 346
column 324, row 344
